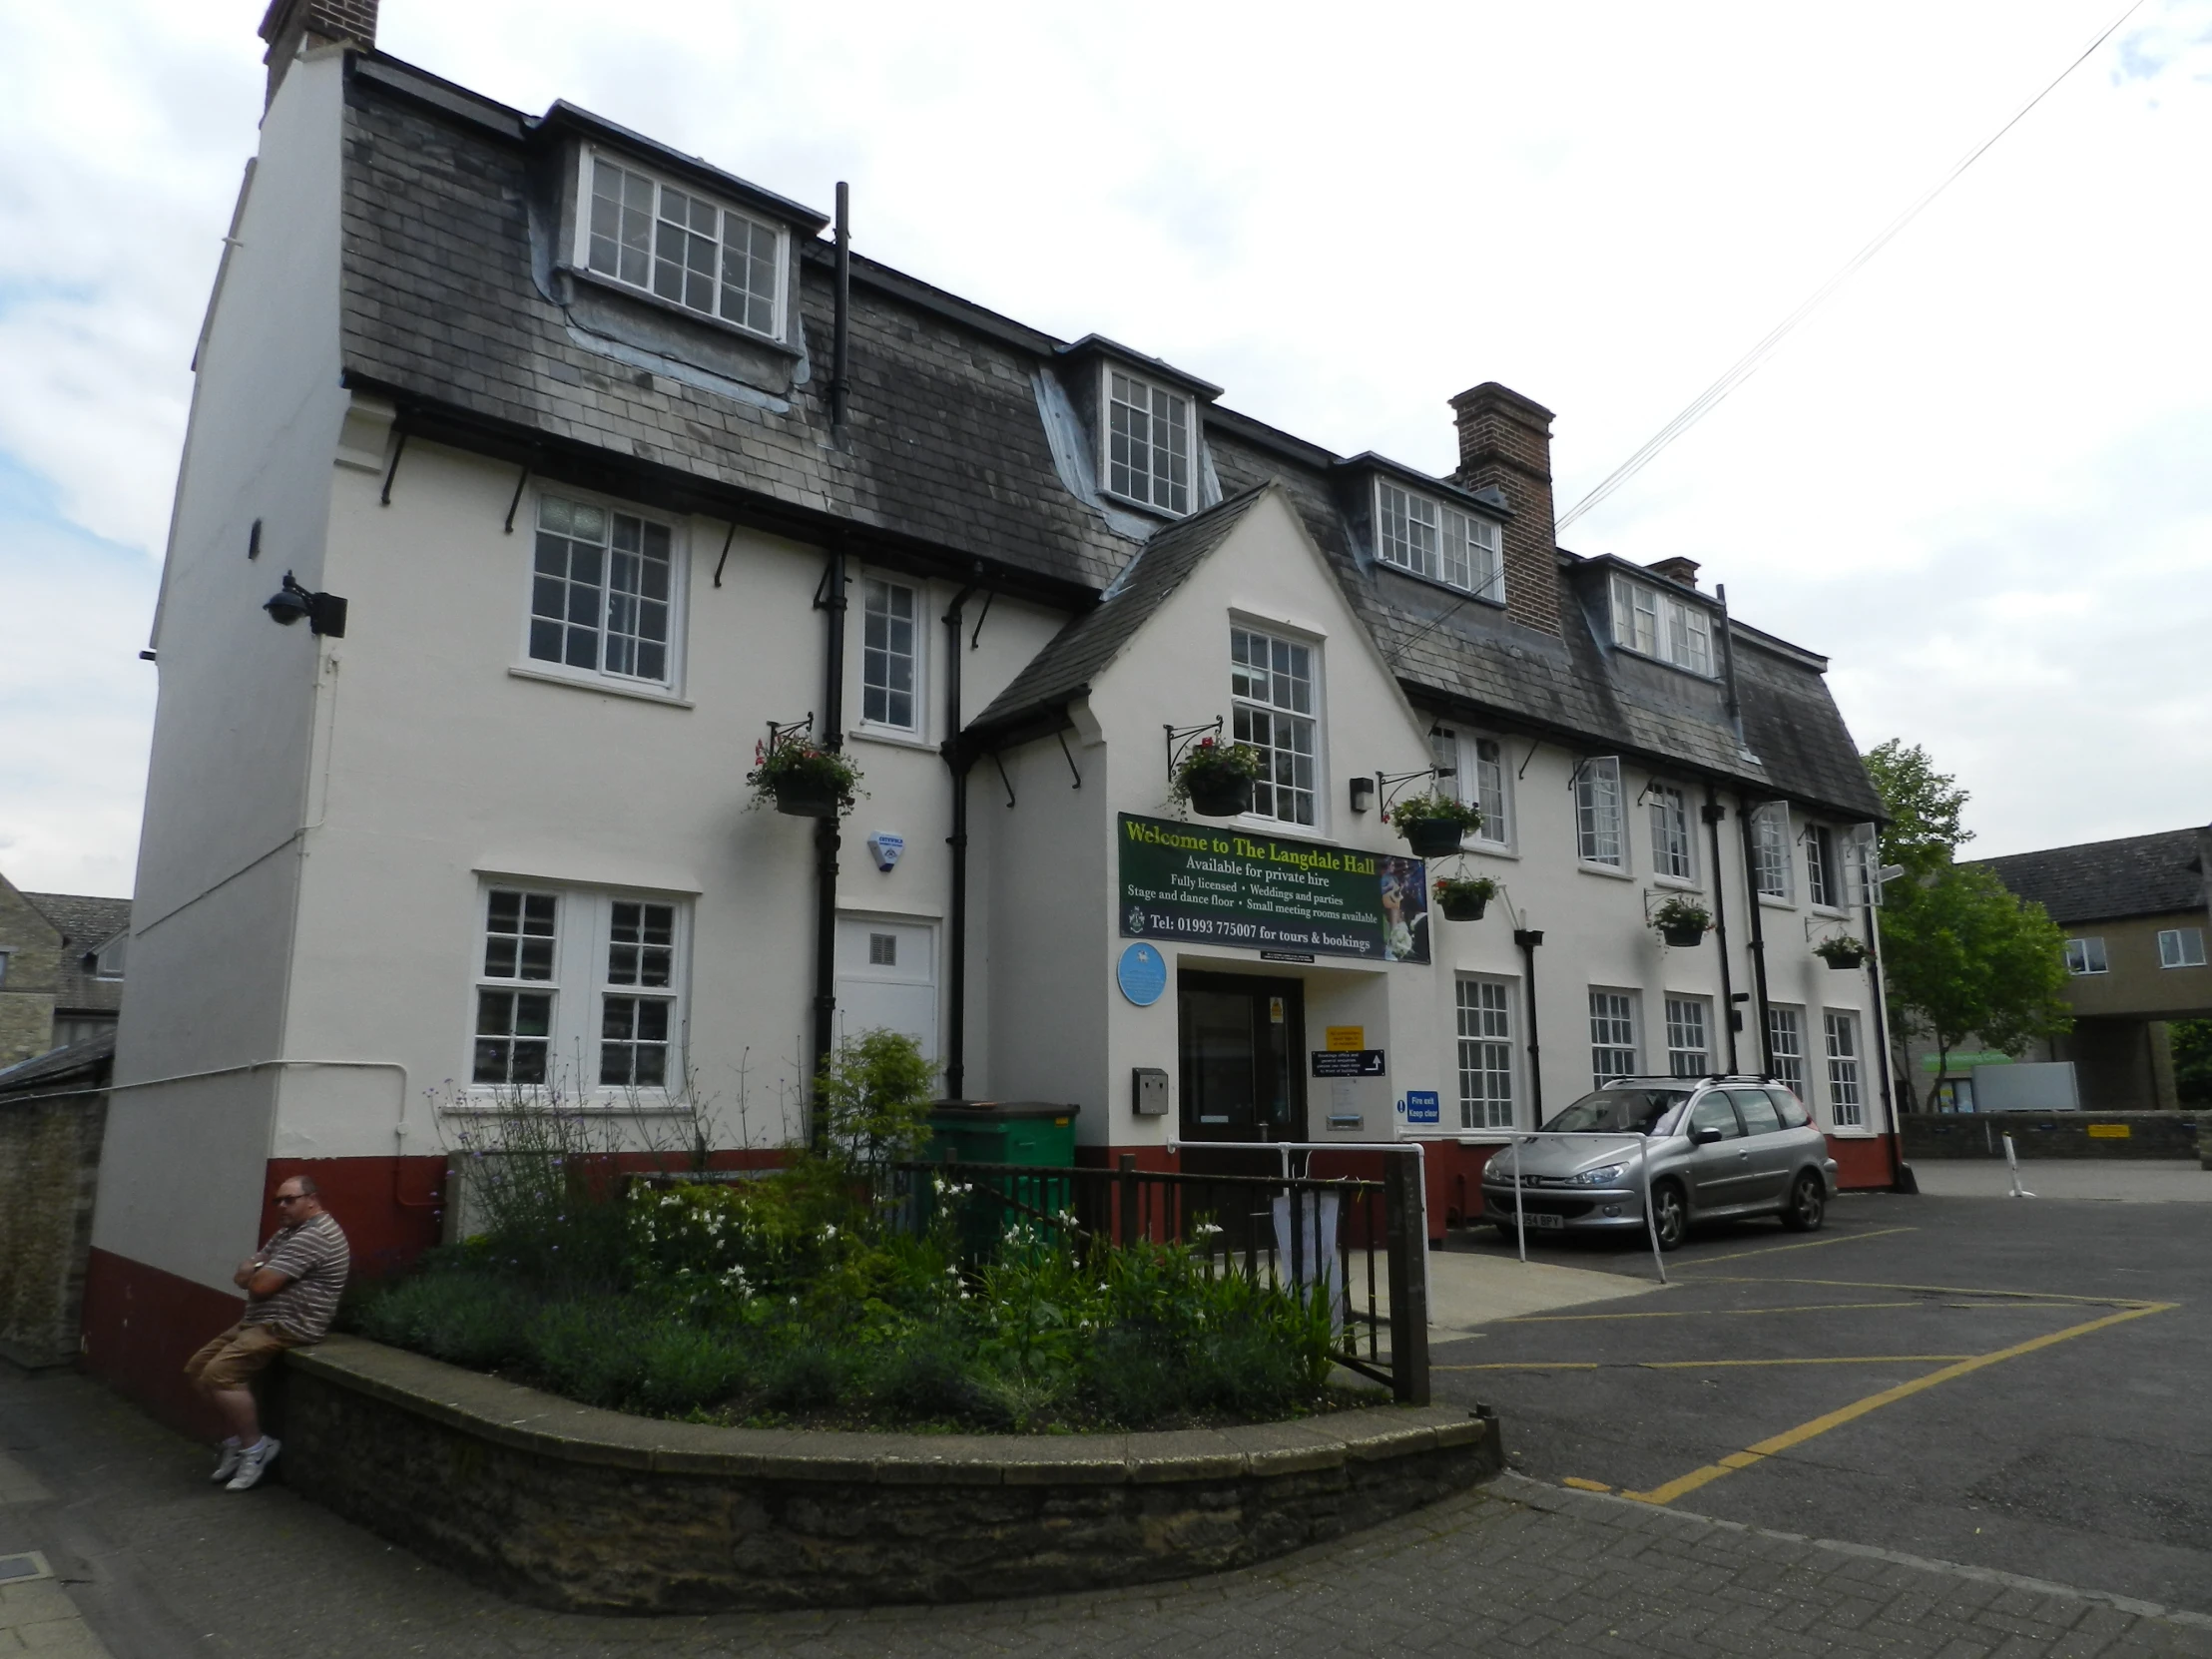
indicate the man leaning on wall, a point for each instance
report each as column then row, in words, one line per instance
column 291, row 1290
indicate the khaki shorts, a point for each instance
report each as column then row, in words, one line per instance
column 237, row 1356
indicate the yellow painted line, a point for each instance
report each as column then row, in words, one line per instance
column 1582, row 1486
column 1685, row 1484
column 1810, row 1244
column 1535, row 1364
column 2057, row 1297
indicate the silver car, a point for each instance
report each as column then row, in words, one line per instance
column 1717, row 1147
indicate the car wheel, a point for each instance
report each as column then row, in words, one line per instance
column 1670, row 1215
column 1808, row 1206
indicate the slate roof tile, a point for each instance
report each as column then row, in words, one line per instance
column 2137, row 875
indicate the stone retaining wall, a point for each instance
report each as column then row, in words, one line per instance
column 2058, row 1135
column 594, row 1511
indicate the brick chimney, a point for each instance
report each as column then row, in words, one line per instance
column 1505, row 441
column 290, row 25
column 1676, row 569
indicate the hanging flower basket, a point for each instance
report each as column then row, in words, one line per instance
column 1434, row 824
column 1215, row 779
column 1682, row 923
column 1463, row 898
column 1846, row 953
column 801, row 781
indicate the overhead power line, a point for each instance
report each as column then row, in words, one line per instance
column 1746, row 366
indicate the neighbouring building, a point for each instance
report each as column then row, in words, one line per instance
column 2135, row 912
column 61, row 968
column 610, row 472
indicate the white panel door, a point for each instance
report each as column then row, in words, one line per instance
column 887, row 977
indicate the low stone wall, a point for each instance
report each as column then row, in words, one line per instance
column 2060, row 1135
column 594, row 1511
column 49, row 1172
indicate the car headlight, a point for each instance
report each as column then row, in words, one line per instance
column 1603, row 1176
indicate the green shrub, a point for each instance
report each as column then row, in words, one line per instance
column 458, row 1316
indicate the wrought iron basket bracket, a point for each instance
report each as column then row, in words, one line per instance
column 1388, row 783
column 781, row 732
column 1180, row 739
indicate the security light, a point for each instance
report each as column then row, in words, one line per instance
column 326, row 612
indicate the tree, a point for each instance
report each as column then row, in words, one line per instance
column 874, row 1097
column 2192, row 1040
column 1962, row 957
column 1923, row 832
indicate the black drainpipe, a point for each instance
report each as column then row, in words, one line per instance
column 1528, row 939
column 840, row 383
column 1713, row 813
column 1758, row 939
column 957, row 758
column 825, row 831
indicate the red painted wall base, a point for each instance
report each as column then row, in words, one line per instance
column 140, row 1327
column 1861, row 1162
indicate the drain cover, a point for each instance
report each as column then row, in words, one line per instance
column 32, row 1565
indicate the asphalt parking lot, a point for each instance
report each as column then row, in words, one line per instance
column 2018, row 1385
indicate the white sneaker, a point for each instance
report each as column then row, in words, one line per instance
column 226, row 1461
column 253, row 1461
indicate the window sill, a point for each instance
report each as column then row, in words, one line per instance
column 704, row 319
column 1441, row 586
column 1612, row 872
column 1166, row 515
column 1494, row 849
column 1680, row 884
column 1656, row 660
column 893, row 737
column 653, row 1104
column 1769, row 902
column 610, row 688
column 1833, row 913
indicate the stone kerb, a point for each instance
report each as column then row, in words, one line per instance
column 589, row 1511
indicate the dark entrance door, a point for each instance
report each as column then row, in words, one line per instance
column 1242, row 1039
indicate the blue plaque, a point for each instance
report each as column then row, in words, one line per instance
column 1423, row 1106
column 1143, row 974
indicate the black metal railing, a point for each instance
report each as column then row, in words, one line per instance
column 1360, row 1243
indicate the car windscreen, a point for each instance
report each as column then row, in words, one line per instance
column 1618, row 1111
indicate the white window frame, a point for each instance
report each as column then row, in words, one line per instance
column 1824, row 886
column 590, row 161
column 582, row 983
column 1616, row 1032
column 1689, row 1036
column 119, row 948
column 1600, row 814
column 1787, row 1020
column 1847, row 1074
column 1248, row 712
column 670, row 684
column 1426, row 537
column 1673, row 858
column 2085, row 954
column 2180, row 947
column 918, row 663
column 1661, row 626
column 1481, row 780
column 1160, row 495
column 1486, row 1052
column 1773, row 869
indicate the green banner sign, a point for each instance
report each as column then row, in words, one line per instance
column 1209, row 885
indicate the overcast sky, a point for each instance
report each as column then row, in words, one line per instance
column 1980, row 479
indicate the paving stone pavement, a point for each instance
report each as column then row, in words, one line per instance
column 1520, row 1567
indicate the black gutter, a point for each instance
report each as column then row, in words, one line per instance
column 1713, row 813
column 830, row 735
column 1528, row 939
column 958, row 758
column 1758, row 943
column 1900, row 1175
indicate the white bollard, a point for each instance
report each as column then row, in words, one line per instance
column 2012, row 1158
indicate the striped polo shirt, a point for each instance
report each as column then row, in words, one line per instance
column 313, row 1256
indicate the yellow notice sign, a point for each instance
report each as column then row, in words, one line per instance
column 1347, row 1039
column 2108, row 1132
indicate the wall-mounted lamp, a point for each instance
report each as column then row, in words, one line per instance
column 326, row 612
column 1363, row 794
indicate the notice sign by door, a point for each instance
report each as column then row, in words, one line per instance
column 1363, row 1062
column 1344, row 1040
column 1423, row 1106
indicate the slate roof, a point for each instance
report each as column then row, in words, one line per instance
column 2137, row 875
column 87, row 924
column 90, row 1062
column 449, row 307
column 1065, row 668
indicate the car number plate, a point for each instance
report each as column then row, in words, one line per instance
column 1541, row 1222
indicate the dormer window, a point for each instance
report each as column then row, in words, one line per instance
column 1148, row 443
column 1656, row 624
column 681, row 247
column 1428, row 538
